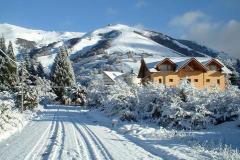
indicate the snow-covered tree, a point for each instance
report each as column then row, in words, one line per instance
column 62, row 74
column 183, row 107
column 75, row 95
column 28, row 70
column 40, row 71
column 2, row 45
column 8, row 69
column 12, row 72
column 24, row 75
column 32, row 73
column 30, row 97
column 2, row 61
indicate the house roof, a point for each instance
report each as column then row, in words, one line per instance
column 181, row 62
column 113, row 74
column 187, row 61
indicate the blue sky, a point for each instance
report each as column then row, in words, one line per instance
column 164, row 16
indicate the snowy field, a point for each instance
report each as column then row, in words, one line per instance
column 66, row 132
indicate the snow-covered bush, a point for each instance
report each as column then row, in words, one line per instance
column 216, row 151
column 28, row 96
column 6, row 114
column 120, row 98
column 187, row 108
column 96, row 93
column 183, row 107
column 128, row 115
column 9, row 119
column 75, row 95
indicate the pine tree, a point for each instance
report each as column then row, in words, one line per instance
column 8, row 69
column 40, row 71
column 27, row 63
column 62, row 74
column 3, row 49
column 31, row 71
column 30, row 97
column 24, row 71
column 11, row 66
column 3, row 46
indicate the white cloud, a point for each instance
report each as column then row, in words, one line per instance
column 111, row 11
column 140, row 3
column 188, row 18
column 223, row 36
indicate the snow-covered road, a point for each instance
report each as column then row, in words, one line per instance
column 66, row 132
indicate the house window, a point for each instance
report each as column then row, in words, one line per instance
column 195, row 80
column 189, row 80
column 212, row 67
column 207, row 80
column 218, row 81
column 165, row 67
column 170, row 80
column 160, row 80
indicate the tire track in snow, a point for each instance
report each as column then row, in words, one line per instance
column 91, row 152
column 57, row 145
column 98, row 142
column 94, row 148
column 62, row 141
column 80, row 144
column 51, row 140
column 38, row 147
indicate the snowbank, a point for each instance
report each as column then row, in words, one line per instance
column 218, row 142
column 183, row 107
column 202, row 144
column 11, row 120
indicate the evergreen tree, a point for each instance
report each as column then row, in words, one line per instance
column 40, row 71
column 8, row 69
column 24, row 71
column 33, row 73
column 30, row 97
column 30, row 71
column 62, row 74
column 27, row 63
column 3, row 46
column 2, row 55
column 12, row 73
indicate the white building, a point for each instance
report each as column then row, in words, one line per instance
column 111, row 77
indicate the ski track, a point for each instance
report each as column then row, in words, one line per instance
column 98, row 143
column 40, row 144
column 66, row 132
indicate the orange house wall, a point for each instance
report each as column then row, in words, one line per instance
column 201, row 76
column 214, row 76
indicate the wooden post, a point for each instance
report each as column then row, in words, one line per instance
column 22, row 106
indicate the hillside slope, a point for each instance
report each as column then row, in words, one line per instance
column 106, row 48
column 24, row 38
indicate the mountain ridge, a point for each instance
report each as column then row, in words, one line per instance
column 105, row 48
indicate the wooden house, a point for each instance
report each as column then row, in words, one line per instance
column 201, row 72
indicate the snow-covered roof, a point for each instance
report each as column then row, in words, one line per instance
column 132, row 66
column 113, row 74
column 180, row 62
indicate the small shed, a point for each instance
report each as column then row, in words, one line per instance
column 131, row 78
column 109, row 77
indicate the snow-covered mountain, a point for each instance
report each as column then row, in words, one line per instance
column 110, row 39
column 29, row 38
column 107, row 48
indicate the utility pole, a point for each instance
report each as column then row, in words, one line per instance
column 22, row 88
